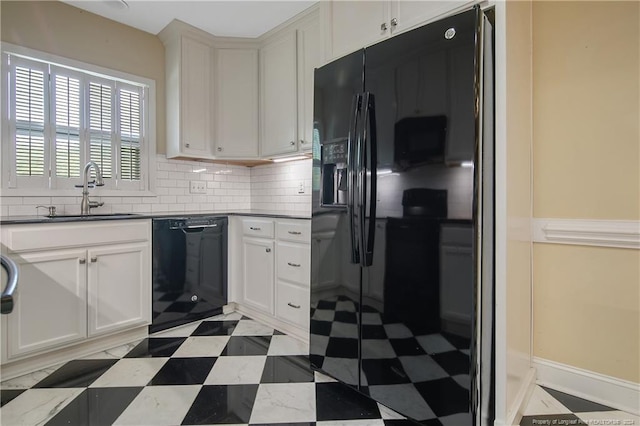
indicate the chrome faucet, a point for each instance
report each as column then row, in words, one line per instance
column 86, row 204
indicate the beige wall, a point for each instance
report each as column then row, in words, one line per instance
column 57, row 28
column 586, row 74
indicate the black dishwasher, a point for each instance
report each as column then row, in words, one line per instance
column 189, row 269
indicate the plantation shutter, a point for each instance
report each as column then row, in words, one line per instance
column 68, row 124
column 101, row 106
column 28, row 120
column 130, row 134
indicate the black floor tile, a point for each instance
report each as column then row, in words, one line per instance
column 326, row 304
column 551, row 419
column 96, row 406
column 156, row 347
column 458, row 341
column 320, row 328
column 215, row 328
column 369, row 309
column 344, row 316
column 284, row 424
column 222, row 404
column 406, row 422
column 454, row 362
column 575, row 404
column 444, row 396
column 247, row 345
column 342, row 347
column 76, row 374
column 183, row 371
column 407, row 347
column 384, row 371
column 335, row 401
column 316, row 361
column 7, row 395
column 287, row 369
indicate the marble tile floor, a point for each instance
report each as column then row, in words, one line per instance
column 227, row 369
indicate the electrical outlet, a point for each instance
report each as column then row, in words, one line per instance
column 198, row 187
column 301, row 187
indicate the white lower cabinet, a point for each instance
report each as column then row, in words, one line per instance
column 93, row 281
column 274, row 270
column 50, row 303
column 118, row 287
column 258, row 273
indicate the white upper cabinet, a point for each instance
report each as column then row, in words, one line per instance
column 278, row 88
column 189, row 94
column 236, row 103
column 352, row 25
column 309, row 58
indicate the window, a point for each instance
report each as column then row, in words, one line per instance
column 61, row 117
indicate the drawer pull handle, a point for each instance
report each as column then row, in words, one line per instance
column 94, row 259
column 294, row 232
column 268, row 250
column 295, row 265
column 254, row 228
column 293, row 306
column 82, row 261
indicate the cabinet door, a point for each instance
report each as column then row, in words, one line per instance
column 409, row 14
column 309, row 57
column 50, row 302
column 258, row 273
column 237, row 103
column 354, row 25
column 278, row 110
column 196, row 95
column 119, row 287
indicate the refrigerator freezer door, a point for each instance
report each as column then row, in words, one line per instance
column 335, row 277
column 414, row 358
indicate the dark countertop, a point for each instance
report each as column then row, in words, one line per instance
column 9, row 220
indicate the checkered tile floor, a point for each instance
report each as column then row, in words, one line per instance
column 551, row 407
column 224, row 370
column 425, row 375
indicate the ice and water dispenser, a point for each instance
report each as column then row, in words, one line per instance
column 334, row 173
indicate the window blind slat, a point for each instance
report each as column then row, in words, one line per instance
column 129, row 103
column 29, row 107
column 67, row 126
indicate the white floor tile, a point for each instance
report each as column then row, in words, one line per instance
column 233, row 370
column 37, row 406
column 388, row 414
column 252, row 328
column 542, row 403
column 201, row 346
column 130, row 372
column 323, row 378
column 159, row 405
column 434, row 343
column 284, row 402
column 287, row 345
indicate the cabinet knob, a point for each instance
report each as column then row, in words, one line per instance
column 292, row 143
column 394, row 22
column 186, row 145
column 83, row 261
column 302, row 141
column 268, row 250
column 383, row 27
column 94, row 259
column 219, row 149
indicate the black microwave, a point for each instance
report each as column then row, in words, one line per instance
column 419, row 140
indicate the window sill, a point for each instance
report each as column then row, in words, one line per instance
column 77, row 192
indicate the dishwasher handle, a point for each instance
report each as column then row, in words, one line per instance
column 185, row 227
column 6, row 302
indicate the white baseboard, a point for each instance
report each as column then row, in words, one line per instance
column 269, row 320
column 599, row 233
column 520, row 401
column 613, row 392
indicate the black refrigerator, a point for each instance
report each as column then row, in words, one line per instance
column 401, row 281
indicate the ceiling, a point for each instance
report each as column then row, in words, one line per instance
column 236, row 18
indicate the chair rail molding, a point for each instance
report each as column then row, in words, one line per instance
column 588, row 232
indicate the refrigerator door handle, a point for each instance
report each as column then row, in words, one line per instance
column 369, row 149
column 352, row 148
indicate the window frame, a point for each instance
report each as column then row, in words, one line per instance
column 13, row 185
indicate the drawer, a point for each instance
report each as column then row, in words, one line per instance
column 292, row 304
column 299, row 231
column 456, row 235
column 258, row 228
column 293, row 262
